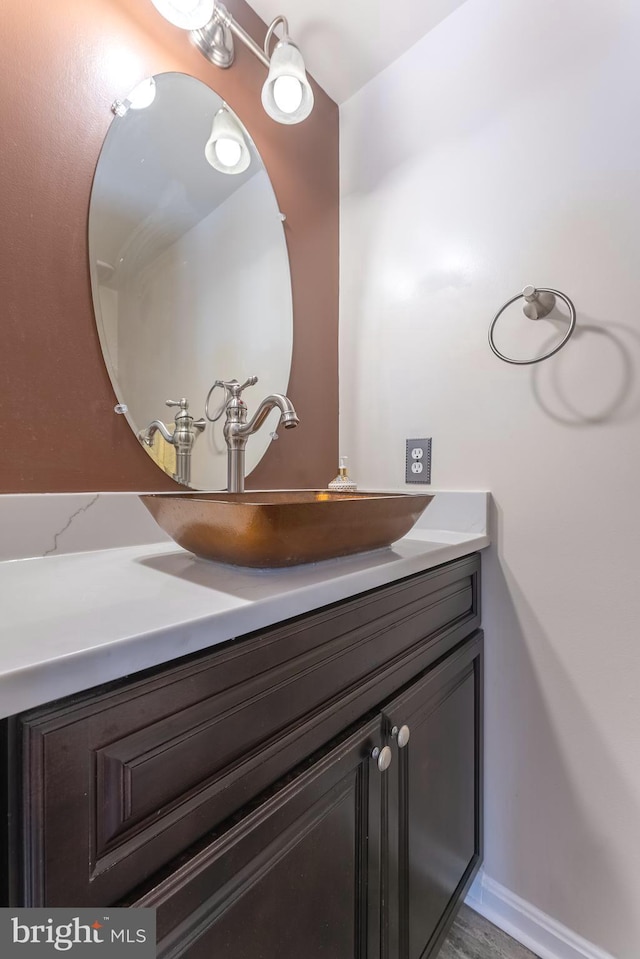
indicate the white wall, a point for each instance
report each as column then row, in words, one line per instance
column 198, row 312
column 502, row 150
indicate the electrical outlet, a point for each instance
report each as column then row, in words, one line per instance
column 418, row 461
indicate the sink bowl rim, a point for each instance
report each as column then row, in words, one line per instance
column 265, row 529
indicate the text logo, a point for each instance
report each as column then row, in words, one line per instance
column 80, row 933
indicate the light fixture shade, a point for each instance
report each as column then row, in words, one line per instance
column 186, row 14
column 227, row 131
column 286, row 62
column 143, row 95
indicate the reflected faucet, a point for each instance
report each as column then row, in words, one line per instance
column 186, row 432
column 236, row 428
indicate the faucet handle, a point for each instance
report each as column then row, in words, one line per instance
column 183, row 403
column 250, row 382
column 232, row 391
column 233, row 388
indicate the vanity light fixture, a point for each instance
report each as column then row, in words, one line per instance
column 286, row 95
column 186, row 14
column 226, row 148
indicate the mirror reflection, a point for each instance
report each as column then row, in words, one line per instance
column 189, row 271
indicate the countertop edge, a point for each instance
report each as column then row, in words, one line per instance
column 48, row 677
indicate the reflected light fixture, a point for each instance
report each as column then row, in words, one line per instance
column 140, row 98
column 286, row 95
column 143, row 95
column 226, row 148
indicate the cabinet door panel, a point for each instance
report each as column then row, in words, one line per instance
column 299, row 876
column 435, row 801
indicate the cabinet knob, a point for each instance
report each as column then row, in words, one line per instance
column 383, row 757
column 402, row 735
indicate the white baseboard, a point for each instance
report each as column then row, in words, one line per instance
column 533, row 928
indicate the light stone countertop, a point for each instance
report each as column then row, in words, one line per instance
column 74, row 621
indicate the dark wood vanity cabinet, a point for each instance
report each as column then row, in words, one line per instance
column 245, row 792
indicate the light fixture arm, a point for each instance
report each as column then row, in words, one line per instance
column 271, row 30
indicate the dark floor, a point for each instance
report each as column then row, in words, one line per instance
column 472, row 937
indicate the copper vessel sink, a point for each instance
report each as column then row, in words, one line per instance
column 281, row 527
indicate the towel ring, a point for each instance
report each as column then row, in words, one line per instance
column 219, row 412
column 536, row 308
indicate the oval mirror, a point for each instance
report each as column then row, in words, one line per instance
column 189, row 269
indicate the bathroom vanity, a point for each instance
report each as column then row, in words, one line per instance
column 312, row 788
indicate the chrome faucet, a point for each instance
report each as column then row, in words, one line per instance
column 186, row 432
column 236, row 428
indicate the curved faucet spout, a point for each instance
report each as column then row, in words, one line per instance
column 186, row 431
column 155, row 427
column 288, row 415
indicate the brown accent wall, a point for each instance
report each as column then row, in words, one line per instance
column 63, row 63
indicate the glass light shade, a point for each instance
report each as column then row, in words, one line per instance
column 226, row 133
column 143, row 95
column 287, row 64
column 228, row 151
column 287, row 92
column 186, row 14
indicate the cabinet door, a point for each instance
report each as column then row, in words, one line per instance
column 435, row 795
column 299, row 876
